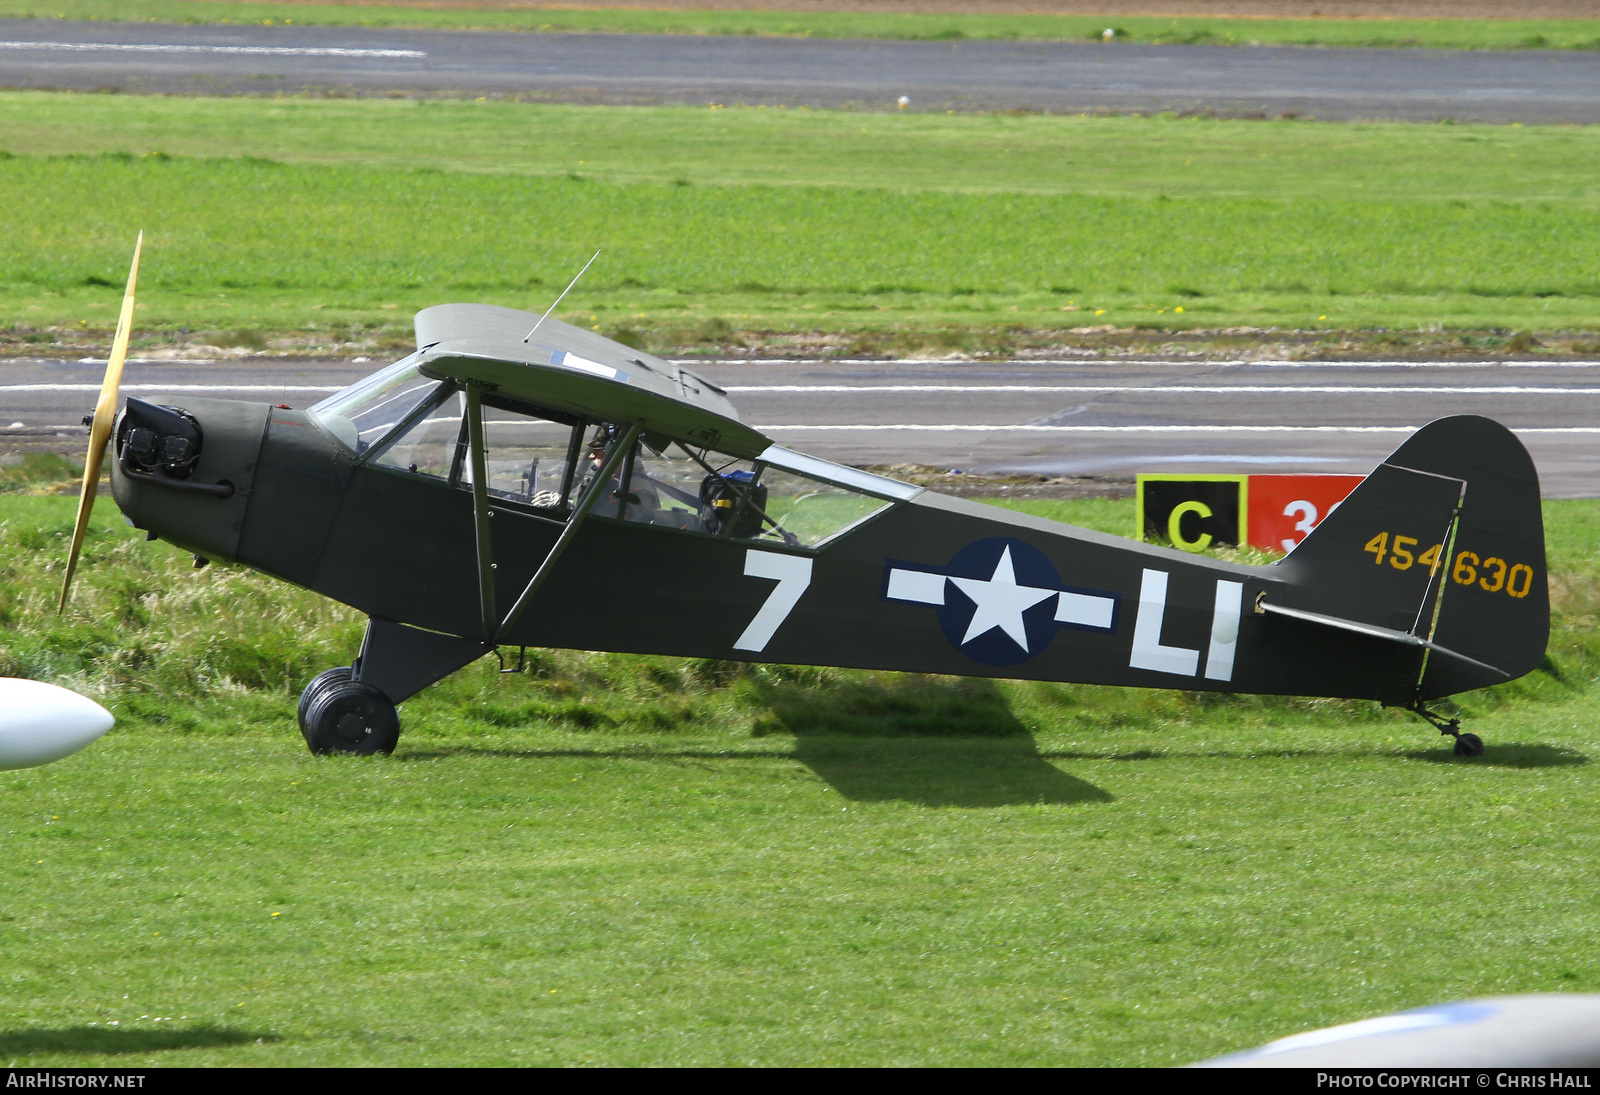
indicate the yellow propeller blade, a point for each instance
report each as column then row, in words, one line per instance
column 100, row 431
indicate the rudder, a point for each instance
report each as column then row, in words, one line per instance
column 1444, row 541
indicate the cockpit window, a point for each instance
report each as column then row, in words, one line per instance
column 526, row 456
column 365, row 412
column 432, row 444
column 548, row 461
column 813, row 467
column 805, row 512
column 702, row 491
column 671, row 487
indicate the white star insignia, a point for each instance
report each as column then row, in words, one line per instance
column 1000, row 602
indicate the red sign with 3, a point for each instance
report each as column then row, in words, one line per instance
column 1285, row 508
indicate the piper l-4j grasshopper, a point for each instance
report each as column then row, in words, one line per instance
column 550, row 487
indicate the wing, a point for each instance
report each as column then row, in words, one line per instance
column 570, row 369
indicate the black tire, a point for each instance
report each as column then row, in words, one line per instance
column 335, row 675
column 1469, row 745
column 351, row 717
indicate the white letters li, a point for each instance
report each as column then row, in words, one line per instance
column 1148, row 651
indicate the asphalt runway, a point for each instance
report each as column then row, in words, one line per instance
column 1109, row 419
column 1523, row 85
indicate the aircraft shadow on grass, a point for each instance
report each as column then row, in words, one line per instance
column 928, row 741
column 630, row 753
column 919, row 739
column 111, row 1041
column 1510, row 755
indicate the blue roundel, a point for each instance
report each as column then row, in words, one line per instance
column 1000, row 602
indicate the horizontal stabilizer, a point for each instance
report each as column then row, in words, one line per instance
column 1388, row 634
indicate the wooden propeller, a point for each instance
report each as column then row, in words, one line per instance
column 105, row 411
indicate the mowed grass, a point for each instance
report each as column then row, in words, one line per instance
column 1217, row 31
column 982, row 154
column 618, row 860
column 319, row 216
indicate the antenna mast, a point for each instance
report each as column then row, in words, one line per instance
column 564, row 292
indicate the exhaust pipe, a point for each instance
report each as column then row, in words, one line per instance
column 160, row 444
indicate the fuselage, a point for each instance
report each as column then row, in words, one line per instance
column 914, row 581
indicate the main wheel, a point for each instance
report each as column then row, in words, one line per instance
column 322, row 680
column 1469, row 745
column 351, row 717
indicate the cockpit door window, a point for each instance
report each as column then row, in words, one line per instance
column 805, row 512
column 528, row 458
column 546, row 460
column 671, row 487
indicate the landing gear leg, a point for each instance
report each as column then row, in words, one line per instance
column 1467, row 745
column 351, row 709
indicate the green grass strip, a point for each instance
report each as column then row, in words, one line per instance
column 347, row 215
column 1216, row 31
column 237, row 243
column 1288, row 159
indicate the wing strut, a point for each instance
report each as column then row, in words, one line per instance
column 480, row 508
column 587, row 503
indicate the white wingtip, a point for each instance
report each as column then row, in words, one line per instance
column 42, row 722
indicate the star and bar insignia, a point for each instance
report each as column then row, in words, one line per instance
column 1000, row 600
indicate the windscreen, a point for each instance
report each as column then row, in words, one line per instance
column 365, row 412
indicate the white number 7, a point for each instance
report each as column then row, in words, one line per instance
column 793, row 575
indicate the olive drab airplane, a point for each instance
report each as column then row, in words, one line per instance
column 517, row 481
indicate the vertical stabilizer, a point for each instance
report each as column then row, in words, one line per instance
column 1443, row 541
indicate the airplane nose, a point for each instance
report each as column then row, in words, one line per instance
column 158, row 444
column 184, row 473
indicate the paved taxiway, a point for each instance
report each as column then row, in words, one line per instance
column 1090, row 418
column 1495, row 86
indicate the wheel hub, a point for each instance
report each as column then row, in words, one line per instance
column 353, row 728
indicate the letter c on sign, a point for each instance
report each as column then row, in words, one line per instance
column 1175, row 526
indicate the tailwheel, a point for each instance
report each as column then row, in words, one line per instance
column 346, row 716
column 1466, row 745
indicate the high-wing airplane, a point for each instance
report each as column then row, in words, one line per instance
column 519, row 481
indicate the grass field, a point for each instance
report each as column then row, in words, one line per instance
column 1405, row 33
column 338, row 219
column 623, row 860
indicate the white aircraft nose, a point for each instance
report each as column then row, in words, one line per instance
column 40, row 722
